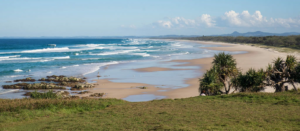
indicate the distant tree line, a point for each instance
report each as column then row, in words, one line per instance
column 224, row 74
column 278, row 41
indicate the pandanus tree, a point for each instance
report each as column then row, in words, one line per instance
column 225, row 66
column 251, row 81
column 210, row 82
column 282, row 72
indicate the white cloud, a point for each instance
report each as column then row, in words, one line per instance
column 175, row 23
column 245, row 19
column 206, row 18
column 229, row 19
column 165, row 24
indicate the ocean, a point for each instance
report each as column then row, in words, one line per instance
column 36, row 58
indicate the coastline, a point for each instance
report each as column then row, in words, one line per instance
column 254, row 58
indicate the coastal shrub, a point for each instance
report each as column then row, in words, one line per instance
column 225, row 67
column 281, row 72
column 276, row 41
column 47, row 95
column 251, row 81
column 210, row 82
column 224, row 72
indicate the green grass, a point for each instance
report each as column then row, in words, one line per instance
column 276, row 48
column 243, row 111
column 47, row 95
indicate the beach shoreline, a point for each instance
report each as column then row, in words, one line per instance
column 254, row 58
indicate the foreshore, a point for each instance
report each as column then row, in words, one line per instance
column 254, row 58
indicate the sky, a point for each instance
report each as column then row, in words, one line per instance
column 35, row 18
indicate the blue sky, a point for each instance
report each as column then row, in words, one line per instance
column 33, row 18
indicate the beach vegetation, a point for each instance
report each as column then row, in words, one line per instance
column 283, row 71
column 210, row 82
column 291, row 42
column 224, row 72
column 46, row 95
column 252, row 81
column 225, row 68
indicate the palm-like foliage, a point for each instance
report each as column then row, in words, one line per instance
column 282, row 72
column 210, row 82
column 226, row 68
column 252, row 80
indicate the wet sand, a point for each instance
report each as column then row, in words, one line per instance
column 254, row 58
column 154, row 69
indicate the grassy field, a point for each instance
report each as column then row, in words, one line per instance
column 279, row 49
column 243, row 111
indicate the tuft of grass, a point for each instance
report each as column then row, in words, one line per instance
column 47, row 95
column 17, row 105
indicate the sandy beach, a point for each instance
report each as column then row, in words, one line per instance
column 254, row 58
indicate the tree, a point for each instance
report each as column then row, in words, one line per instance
column 210, row 82
column 225, row 67
column 252, row 81
column 282, row 72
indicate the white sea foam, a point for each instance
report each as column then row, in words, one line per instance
column 63, row 67
column 36, row 59
column 18, row 70
column 8, row 57
column 176, row 44
column 179, row 54
column 97, row 67
column 47, row 50
column 76, row 53
column 65, row 57
column 4, row 92
column 181, row 45
column 117, row 52
column 141, row 54
column 75, row 65
column 14, row 76
column 91, row 59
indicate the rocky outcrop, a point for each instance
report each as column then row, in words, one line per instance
column 15, row 86
column 84, row 92
column 97, row 95
column 62, row 94
column 143, row 87
column 28, row 79
column 61, row 78
column 34, row 86
column 43, row 86
column 82, row 86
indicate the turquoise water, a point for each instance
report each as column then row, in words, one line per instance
column 36, row 58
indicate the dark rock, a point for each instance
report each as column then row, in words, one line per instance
column 28, row 79
column 33, row 86
column 27, row 94
column 97, row 95
column 84, row 92
column 82, row 86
